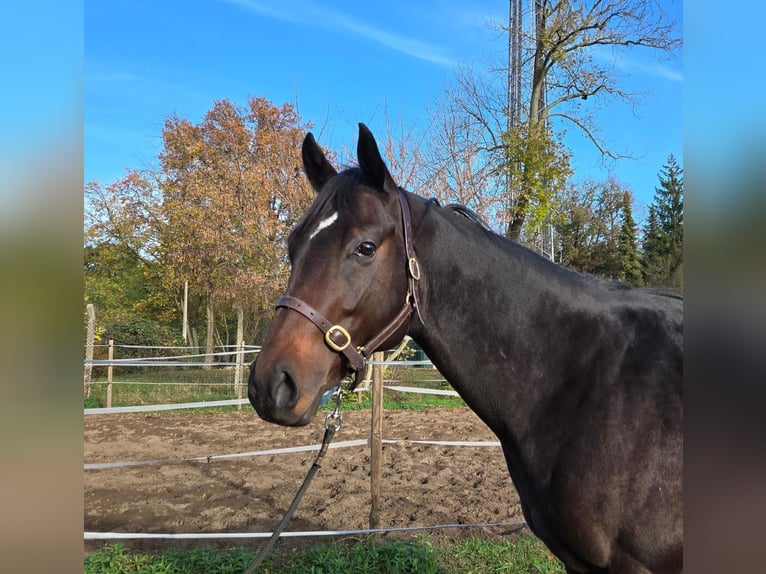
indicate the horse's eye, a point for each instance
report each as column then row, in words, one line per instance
column 365, row 249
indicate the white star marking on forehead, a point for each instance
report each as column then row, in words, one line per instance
column 324, row 224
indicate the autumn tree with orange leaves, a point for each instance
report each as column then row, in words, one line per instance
column 232, row 188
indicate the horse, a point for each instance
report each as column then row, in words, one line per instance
column 580, row 378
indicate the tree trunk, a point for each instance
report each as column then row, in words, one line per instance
column 518, row 209
column 194, row 339
column 537, row 95
column 210, row 334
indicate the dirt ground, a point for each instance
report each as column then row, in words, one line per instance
column 421, row 484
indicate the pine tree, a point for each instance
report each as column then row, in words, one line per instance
column 630, row 262
column 664, row 232
column 654, row 260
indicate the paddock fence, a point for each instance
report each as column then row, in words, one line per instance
column 181, row 370
column 128, row 371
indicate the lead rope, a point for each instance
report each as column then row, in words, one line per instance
column 333, row 423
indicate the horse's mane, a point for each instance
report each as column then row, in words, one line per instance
column 468, row 214
column 482, row 225
column 595, row 280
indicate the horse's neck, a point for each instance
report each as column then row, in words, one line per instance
column 486, row 313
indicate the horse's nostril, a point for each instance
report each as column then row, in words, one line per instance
column 284, row 391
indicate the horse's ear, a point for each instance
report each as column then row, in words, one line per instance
column 371, row 163
column 318, row 169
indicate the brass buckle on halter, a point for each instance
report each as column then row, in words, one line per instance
column 337, row 347
column 414, row 268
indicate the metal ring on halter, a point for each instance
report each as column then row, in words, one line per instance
column 414, row 268
column 335, row 418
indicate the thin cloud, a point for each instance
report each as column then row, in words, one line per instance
column 308, row 13
column 116, row 77
column 634, row 65
column 662, row 71
column 99, row 76
column 649, row 68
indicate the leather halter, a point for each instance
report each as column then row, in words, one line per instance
column 337, row 338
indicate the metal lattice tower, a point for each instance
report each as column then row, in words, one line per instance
column 516, row 44
column 515, row 40
column 513, row 118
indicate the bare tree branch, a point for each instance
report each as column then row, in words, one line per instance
column 562, row 76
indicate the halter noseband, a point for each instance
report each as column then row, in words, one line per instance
column 337, row 338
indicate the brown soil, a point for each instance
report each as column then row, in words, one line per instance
column 421, row 484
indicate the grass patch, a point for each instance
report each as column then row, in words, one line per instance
column 115, row 559
column 168, row 385
column 523, row 555
column 393, row 400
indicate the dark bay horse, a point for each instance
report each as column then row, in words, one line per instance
column 580, row 379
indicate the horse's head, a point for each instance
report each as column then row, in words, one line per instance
column 348, row 285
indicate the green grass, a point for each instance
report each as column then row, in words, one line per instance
column 169, row 385
column 523, row 555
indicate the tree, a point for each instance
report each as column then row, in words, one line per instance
column 563, row 73
column 593, row 226
column 232, row 189
column 464, row 150
column 664, row 231
column 125, row 212
column 121, row 285
column 556, row 80
column 627, row 246
column 122, row 273
column 538, row 167
column 402, row 153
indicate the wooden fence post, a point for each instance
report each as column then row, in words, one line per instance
column 376, row 440
column 109, row 375
column 239, row 360
column 89, row 347
column 240, row 367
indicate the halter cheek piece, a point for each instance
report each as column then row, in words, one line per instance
column 337, row 338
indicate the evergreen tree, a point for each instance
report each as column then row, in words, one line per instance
column 654, row 260
column 630, row 262
column 664, row 232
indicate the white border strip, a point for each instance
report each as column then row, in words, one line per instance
column 421, row 391
column 287, row 450
column 149, row 408
column 445, row 442
column 231, row 402
column 397, row 363
column 217, row 535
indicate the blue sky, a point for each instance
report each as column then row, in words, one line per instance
column 341, row 61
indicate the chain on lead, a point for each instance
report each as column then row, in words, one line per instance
column 335, row 418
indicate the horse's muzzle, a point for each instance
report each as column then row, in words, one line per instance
column 274, row 395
